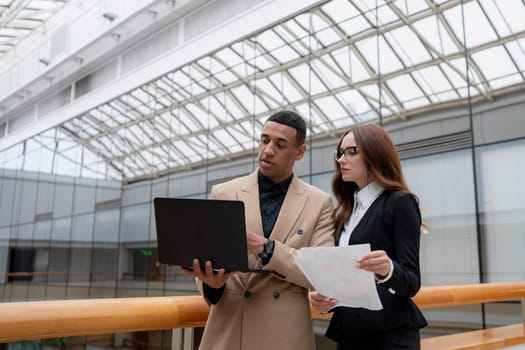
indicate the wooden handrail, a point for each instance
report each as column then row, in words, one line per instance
column 465, row 294
column 49, row 319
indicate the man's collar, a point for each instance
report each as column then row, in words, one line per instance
column 266, row 184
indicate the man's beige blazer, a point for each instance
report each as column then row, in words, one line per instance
column 262, row 311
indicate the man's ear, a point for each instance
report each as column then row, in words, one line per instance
column 300, row 151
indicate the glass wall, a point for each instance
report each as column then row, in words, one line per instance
column 65, row 238
column 502, row 210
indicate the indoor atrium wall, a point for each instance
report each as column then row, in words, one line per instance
column 85, row 238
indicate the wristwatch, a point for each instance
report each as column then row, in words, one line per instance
column 267, row 252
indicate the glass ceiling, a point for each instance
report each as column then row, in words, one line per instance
column 20, row 18
column 341, row 63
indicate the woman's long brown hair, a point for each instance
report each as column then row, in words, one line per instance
column 382, row 161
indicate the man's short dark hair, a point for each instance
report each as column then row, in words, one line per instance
column 291, row 119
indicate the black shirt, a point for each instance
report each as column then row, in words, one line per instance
column 271, row 197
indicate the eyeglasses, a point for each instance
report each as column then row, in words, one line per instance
column 347, row 152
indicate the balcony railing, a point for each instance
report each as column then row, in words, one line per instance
column 63, row 318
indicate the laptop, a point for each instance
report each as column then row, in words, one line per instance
column 207, row 229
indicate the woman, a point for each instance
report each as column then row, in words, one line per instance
column 375, row 206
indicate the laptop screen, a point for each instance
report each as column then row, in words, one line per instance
column 207, row 229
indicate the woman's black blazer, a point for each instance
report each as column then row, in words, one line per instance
column 392, row 223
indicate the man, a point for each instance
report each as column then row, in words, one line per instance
column 269, row 310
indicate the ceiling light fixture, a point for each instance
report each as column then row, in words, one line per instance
column 44, row 61
column 110, row 16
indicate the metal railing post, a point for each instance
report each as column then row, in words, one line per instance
column 523, row 310
column 182, row 339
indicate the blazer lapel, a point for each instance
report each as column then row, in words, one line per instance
column 361, row 232
column 249, row 194
column 293, row 204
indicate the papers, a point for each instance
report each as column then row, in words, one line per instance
column 333, row 272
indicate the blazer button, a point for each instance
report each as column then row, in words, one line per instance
column 247, row 294
column 300, row 231
column 276, row 295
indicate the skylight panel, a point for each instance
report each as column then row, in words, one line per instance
column 404, row 88
column 241, row 136
column 331, row 107
column 163, row 85
column 226, row 139
column 349, row 63
column 247, row 49
column 436, row 35
column 411, row 7
column 248, row 100
column 372, row 93
column 135, row 136
column 328, row 72
column 269, row 40
column 196, row 74
column 284, row 54
column 253, row 130
column 266, row 88
column 283, row 84
column 455, row 76
column 311, row 116
column 288, row 35
column 244, row 70
column 408, row 46
column 217, row 108
column 183, row 148
column 328, row 37
column 150, row 132
column 298, row 30
column 106, row 145
column 353, row 101
column 157, row 161
column 323, row 31
column 383, row 13
column 85, row 128
column 225, row 77
column 340, row 10
column 200, row 116
column 180, row 78
column 137, row 96
column 387, row 59
column 315, row 22
column 355, row 24
column 507, row 16
column 197, row 152
column 517, row 50
column 231, row 106
column 478, row 29
column 432, row 81
column 262, row 63
column 308, row 80
column 497, row 67
column 229, row 57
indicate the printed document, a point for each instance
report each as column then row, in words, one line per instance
column 334, row 273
